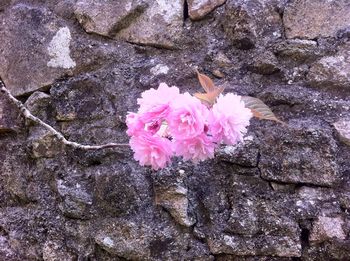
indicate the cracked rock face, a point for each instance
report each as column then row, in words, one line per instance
column 283, row 194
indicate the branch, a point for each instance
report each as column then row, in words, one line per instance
column 28, row 115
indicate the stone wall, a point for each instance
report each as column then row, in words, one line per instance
column 80, row 65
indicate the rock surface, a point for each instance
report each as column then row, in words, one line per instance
column 283, row 194
column 155, row 23
column 197, row 9
column 32, row 60
column 248, row 22
column 312, row 19
column 332, row 71
column 343, row 129
column 326, row 228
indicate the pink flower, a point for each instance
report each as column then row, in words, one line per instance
column 195, row 149
column 152, row 99
column 187, row 117
column 150, row 120
column 229, row 119
column 134, row 124
column 151, row 150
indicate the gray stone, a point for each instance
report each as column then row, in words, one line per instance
column 32, row 59
column 243, row 154
column 246, row 246
column 311, row 19
column 154, row 23
column 265, row 63
column 198, row 9
column 248, row 23
column 55, row 251
column 298, row 50
column 40, row 105
column 331, row 71
column 310, row 199
column 343, row 129
column 175, row 200
column 10, row 117
column 299, row 147
column 108, row 18
column 325, row 228
column 142, row 241
column 76, row 200
column 43, row 143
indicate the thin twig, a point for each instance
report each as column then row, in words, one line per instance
column 28, row 115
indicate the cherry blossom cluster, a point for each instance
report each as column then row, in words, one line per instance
column 169, row 123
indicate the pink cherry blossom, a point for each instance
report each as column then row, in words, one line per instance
column 229, row 119
column 134, row 124
column 196, row 149
column 151, row 150
column 187, row 117
column 147, row 121
column 151, row 99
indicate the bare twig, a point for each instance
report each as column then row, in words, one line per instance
column 28, row 115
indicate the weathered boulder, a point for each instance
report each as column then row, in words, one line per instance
column 312, row 19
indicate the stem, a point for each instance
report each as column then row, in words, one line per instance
column 28, row 115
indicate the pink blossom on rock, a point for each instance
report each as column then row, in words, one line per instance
column 196, row 149
column 134, row 124
column 157, row 113
column 228, row 119
column 187, row 117
column 151, row 99
column 151, row 150
column 149, row 121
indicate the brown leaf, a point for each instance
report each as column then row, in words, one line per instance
column 210, row 97
column 259, row 109
column 207, row 83
column 211, row 92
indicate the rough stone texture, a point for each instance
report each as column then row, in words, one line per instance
column 283, row 194
column 24, row 55
column 313, row 19
column 298, row 50
column 128, row 20
column 265, row 63
column 332, row 71
column 325, row 228
column 249, row 22
column 343, row 129
column 197, row 9
column 9, row 118
column 303, row 149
